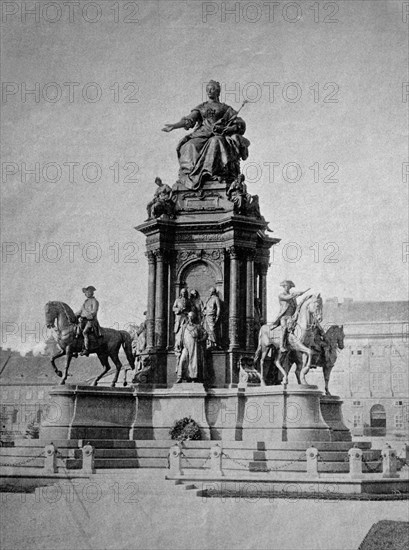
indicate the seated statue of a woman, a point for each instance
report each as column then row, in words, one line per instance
column 214, row 149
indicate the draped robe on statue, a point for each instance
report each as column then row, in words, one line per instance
column 205, row 155
column 192, row 358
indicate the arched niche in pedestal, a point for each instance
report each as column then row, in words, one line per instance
column 200, row 275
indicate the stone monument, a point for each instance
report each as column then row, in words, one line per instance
column 215, row 241
column 201, row 350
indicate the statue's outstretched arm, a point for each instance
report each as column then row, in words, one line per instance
column 185, row 122
column 175, row 126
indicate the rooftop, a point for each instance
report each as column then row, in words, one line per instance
column 349, row 311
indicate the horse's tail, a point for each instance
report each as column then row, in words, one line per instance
column 126, row 341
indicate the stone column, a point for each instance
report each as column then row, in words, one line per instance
column 250, row 300
column 234, row 297
column 171, row 297
column 160, row 299
column 263, row 290
column 150, row 313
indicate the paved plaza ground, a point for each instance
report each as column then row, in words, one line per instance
column 139, row 509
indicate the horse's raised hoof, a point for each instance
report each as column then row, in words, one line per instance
column 125, row 384
column 113, row 385
column 58, row 373
column 62, row 383
column 95, row 383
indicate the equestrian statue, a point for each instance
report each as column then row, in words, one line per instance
column 303, row 341
column 80, row 334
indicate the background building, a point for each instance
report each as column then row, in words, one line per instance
column 371, row 373
column 24, row 385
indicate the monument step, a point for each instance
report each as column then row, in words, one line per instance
column 21, row 462
column 59, row 443
column 323, row 467
column 328, row 456
column 304, row 488
column 33, row 451
column 108, row 443
column 111, row 453
column 103, row 463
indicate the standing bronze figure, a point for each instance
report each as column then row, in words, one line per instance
column 87, row 318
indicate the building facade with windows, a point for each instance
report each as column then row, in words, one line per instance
column 371, row 373
column 25, row 382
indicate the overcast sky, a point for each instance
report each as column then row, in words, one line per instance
column 327, row 106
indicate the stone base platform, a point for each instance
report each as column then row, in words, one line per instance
column 264, row 433
column 273, row 414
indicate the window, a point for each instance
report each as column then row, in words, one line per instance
column 377, row 381
column 38, row 416
column 398, row 403
column 378, row 416
column 357, row 404
column 29, row 417
column 14, row 416
column 399, row 422
column 16, row 394
column 359, row 381
column 359, row 352
column 41, row 394
column 357, row 420
column 4, row 396
column 398, row 382
column 29, row 394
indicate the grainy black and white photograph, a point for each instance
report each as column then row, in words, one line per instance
column 204, row 260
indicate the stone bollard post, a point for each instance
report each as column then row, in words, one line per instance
column 175, row 460
column 312, row 462
column 88, row 460
column 50, row 462
column 216, row 458
column 355, row 462
column 389, row 461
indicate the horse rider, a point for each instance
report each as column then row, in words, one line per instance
column 288, row 306
column 87, row 318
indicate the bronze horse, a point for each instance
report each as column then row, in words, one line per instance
column 300, row 339
column 62, row 319
column 324, row 354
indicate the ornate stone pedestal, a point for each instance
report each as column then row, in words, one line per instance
column 272, row 414
column 157, row 411
column 85, row 412
column 206, row 246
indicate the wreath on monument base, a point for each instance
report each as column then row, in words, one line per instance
column 185, row 429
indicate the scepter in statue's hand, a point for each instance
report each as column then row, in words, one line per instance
column 232, row 119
